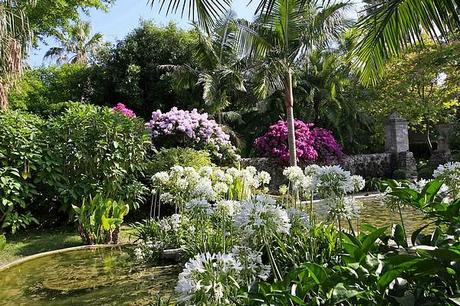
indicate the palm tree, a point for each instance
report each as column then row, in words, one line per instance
column 281, row 40
column 15, row 38
column 217, row 70
column 76, row 44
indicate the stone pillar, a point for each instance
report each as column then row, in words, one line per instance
column 397, row 143
column 442, row 153
column 396, row 134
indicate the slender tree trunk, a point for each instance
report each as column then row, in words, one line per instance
column 289, row 102
column 3, row 97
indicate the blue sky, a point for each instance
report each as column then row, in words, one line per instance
column 125, row 15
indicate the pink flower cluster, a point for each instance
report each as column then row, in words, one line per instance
column 121, row 108
column 195, row 126
column 312, row 144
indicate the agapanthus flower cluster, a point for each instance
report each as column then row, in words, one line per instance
column 208, row 279
column 121, row 108
column 312, row 144
column 331, row 183
column 298, row 180
column 215, row 279
column 450, row 173
column 181, row 185
column 343, row 208
column 253, row 268
column 260, row 216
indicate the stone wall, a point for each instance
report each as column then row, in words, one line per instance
column 370, row 165
column 366, row 165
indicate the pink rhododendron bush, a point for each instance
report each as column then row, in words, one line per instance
column 312, row 144
column 181, row 128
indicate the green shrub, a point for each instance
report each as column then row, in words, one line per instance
column 93, row 150
column 44, row 89
column 399, row 174
column 99, row 219
column 186, row 157
column 20, row 158
column 2, row 242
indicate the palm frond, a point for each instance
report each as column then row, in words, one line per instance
column 204, row 12
column 394, row 25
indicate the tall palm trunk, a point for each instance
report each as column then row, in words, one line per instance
column 289, row 103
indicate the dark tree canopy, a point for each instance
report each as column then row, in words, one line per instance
column 134, row 73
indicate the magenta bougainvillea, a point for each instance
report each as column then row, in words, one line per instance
column 312, row 144
column 121, row 108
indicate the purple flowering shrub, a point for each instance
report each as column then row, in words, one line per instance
column 312, row 144
column 181, row 128
column 325, row 144
column 121, row 108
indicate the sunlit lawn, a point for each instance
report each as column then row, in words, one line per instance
column 37, row 241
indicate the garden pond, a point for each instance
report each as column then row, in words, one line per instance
column 103, row 276
column 111, row 276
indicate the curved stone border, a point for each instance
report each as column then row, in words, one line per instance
column 65, row 250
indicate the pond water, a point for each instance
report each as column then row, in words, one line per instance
column 106, row 276
column 375, row 212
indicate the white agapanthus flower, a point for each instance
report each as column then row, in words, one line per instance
column 358, row 182
column 205, row 171
column 220, row 188
column 208, row 279
column 332, row 181
column 296, row 215
column 298, row 180
column 251, row 263
column 182, row 184
column 450, row 171
column 262, row 215
column 418, row 185
column 199, row 206
column 176, row 221
column 346, row 208
column 293, row 173
column 249, row 177
column 219, row 175
column 263, row 177
column 167, row 197
column 204, row 190
column 311, row 170
column 233, row 172
column 227, row 208
column 176, row 170
column 160, row 178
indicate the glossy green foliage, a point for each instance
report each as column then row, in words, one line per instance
column 375, row 268
column 20, row 158
column 94, row 150
column 99, row 219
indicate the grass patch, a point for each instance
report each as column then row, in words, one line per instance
column 37, row 241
